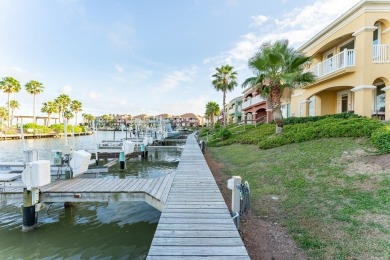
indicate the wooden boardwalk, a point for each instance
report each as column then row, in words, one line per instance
column 195, row 222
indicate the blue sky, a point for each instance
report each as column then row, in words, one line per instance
column 148, row 57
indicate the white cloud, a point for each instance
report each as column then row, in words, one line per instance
column 174, row 79
column 118, row 68
column 259, row 20
column 297, row 26
column 67, row 89
column 94, row 95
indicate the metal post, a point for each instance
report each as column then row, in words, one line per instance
column 236, row 198
column 122, row 161
column 29, row 220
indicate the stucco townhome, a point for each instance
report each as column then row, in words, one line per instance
column 351, row 62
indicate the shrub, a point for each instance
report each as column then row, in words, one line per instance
column 381, row 139
column 42, row 129
column 59, row 128
column 301, row 120
column 224, row 133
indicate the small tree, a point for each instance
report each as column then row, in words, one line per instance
column 13, row 105
column 224, row 80
column 9, row 85
column 212, row 110
column 34, row 87
column 75, row 107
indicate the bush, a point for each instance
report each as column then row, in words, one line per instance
column 381, row 139
column 301, row 120
column 326, row 128
column 224, row 133
column 59, row 128
column 42, row 129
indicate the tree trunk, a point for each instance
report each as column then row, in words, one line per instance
column 8, row 112
column 48, row 119
column 76, row 118
column 223, row 105
column 276, row 111
column 34, row 121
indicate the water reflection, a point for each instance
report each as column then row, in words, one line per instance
column 115, row 230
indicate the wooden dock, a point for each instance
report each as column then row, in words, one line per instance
column 195, row 222
column 153, row 191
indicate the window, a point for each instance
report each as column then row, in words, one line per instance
column 379, row 98
column 312, row 106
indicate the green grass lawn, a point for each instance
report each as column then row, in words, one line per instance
column 332, row 199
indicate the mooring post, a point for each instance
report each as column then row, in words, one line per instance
column 235, row 185
column 29, row 219
column 122, row 161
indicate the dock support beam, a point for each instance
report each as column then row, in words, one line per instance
column 29, row 219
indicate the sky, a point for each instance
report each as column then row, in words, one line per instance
column 144, row 57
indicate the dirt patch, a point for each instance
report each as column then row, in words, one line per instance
column 361, row 162
column 263, row 239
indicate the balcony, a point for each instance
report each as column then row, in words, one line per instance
column 252, row 101
column 380, row 53
column 232, row 111
column 336, row 63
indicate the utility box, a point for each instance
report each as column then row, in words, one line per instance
column 36, row 174
column 128, row 147
column 80, row 162
column 56, row 157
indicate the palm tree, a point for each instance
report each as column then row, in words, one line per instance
column 9, row 85
column 212, row 110
column 224, row 80
column 34, row 87
column 75, row 106
column 49, row 108
column 3, row 115
column 277, row 68
column 62, row 102
column 13, row 105
column 67, row 115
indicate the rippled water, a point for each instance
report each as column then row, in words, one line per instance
column 115, row 230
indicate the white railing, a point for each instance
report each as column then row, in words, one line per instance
column 380, row 53
column 232, row 111
column 340, row 61
column 252, row 101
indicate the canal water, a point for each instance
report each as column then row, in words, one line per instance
column 114, row 230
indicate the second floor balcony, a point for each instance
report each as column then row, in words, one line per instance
column 380, row 53
column 335, row 63
column 252, row 101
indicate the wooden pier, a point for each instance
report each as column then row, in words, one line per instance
column 195, row 222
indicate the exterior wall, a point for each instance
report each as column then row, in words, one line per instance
column 349, row 88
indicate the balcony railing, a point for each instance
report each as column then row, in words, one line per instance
column 380, row 53
column 252, row 101
column 232, row 111
column 340, row 61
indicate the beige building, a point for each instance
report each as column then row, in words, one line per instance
column 351, row 62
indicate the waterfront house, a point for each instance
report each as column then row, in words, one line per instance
column 351, row 63
column 254, row 106
column 190, row 120
column 234, row 110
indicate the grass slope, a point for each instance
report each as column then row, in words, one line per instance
column 333, row 202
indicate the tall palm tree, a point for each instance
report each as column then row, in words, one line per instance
column 67, row 115
column 9, row 85
column 212, row 110
column 62, row 102
column 49, row 108
column 278, row 67
column 13, row 104
column 75, row 107
column 224, row 80
column 3, row 115
column 34, row 87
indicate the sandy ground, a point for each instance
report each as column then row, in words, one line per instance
column 262, row 238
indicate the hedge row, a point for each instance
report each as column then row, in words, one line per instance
column 301, row 120
column 341, row 125
column 58, row 128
